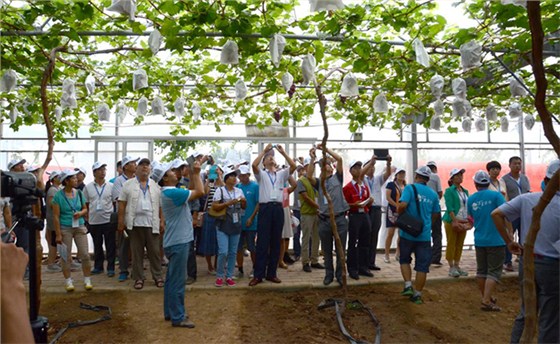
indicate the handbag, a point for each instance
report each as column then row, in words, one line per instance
column 218, row 214
column 410, row 224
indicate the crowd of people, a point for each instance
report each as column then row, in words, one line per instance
column 173, row 211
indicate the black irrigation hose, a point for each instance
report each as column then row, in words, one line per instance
column 353, row 305
column 86, row 322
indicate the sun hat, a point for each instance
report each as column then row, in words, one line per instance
column 481, row 177
column 424, row 171
column 15, row 162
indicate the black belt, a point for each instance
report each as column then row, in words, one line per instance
column 541, row 257
column 271, row 203
column 325, row 217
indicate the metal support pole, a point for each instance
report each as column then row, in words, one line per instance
column 414, row 145
column 521, row 142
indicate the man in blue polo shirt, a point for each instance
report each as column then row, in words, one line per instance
column 177, row 238
column 249, row 219
column 420, row 245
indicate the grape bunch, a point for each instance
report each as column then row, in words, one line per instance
column 277, row 115
column 292, row 91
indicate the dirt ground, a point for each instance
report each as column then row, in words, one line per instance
column 450, row 314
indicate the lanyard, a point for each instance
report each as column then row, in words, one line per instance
column 272, row 181
column 463, row 197
column 102, row 189
column 143, row 190
column 230, row 196
column 359, row 190
column 75, row 201
column 497, row 186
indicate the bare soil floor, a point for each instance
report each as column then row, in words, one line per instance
column 450, row 314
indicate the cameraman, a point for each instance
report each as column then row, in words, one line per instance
column 22, row 235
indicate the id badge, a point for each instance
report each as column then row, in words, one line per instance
column 75, row 222
column 274, row 195
column 146, row 205
column 99, row 205
column 361, row 210
column 235, row 217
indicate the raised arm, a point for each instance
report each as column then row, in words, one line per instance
column 286, row 156
column 259, row 158
column 388, row 171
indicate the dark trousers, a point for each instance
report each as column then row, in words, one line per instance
column 105, row 232
column 327, row 242
column 269, row 235
column 436, row 239
column 297, row 235
column 547, row 277
column 375, row 219
column 124, row 250
column 358, row 242
column 191, row 261
column 515, row 225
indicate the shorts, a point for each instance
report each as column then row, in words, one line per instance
column 249, row 238
column 489, row 262
column 422, row 254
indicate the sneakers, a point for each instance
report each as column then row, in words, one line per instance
column 123, row 276
column 75, row 266
column 417, row 299
column 306, row 267
column 462, row 272
column 96, row 271
column 190, row 280
column 87, row 284
column 453, row 272
column 219, row 282
column 407, row 291
column 110, row 273
column 53, row 268
column 69, row 285
column 387, row 259
column 240, row 273
column 230, row 282
column 252, row 274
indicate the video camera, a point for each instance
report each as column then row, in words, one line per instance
column 21, row 188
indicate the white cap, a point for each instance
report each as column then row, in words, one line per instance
column 54, row 174
column 154, row 163
column 244, row 169
column 355, row 162
column 242, row 162
column 81, row 169
column 456, row 171
column 399, row 170
column 228, row 171
column 33, row 168
column 196, row 154
column 299, row 167
column 306, row 161
column 67, row 173
column 15, row 162
column 431, row 163
column 423, row 171
column 128, row 159
column 178, row 163
column 552, row 168
column 97, row 165
column 160, row 170
column 481, row 177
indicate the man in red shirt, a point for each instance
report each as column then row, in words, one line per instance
column 358, row 197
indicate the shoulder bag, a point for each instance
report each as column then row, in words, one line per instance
column 218, row 214
column 409, row 223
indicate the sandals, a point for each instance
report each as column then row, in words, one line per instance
column 491, row 307
column 138, row 284
column 159, row 283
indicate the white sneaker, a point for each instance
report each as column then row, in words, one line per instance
column 87, row 285
column 387, row 259
column 69, row 285
column 53, row 268
column 252, row 274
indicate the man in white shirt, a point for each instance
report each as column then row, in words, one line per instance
column 99, row 201
column 129, row 169
column 140, row 215
column 375, row 185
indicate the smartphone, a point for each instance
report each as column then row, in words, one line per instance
column 190, row 160
column 381, row 154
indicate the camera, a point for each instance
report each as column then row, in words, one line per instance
column 21, row 188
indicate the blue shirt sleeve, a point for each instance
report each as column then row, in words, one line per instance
column 178, row 195
column 407, row 194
